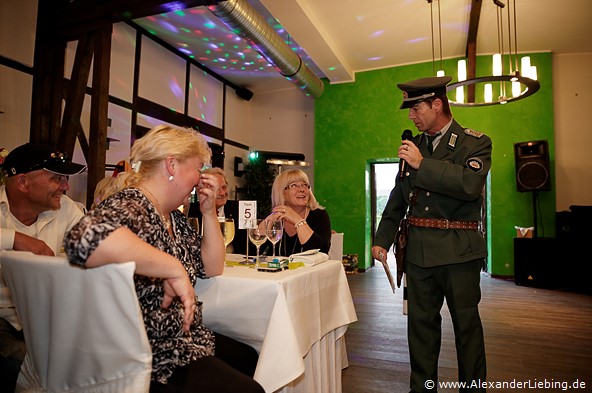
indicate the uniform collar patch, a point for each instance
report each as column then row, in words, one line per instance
column 452, row 140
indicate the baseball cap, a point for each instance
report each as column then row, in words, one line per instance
column 418, row 90
column 31, row 157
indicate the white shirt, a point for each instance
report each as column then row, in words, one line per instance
column 440, row 134
column 51, row 225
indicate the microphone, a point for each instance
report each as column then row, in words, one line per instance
column 406, row 136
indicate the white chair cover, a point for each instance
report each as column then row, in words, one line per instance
column 83, row 329
column 336, row 250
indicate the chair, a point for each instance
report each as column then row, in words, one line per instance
column 83, row 329
column 336, row 249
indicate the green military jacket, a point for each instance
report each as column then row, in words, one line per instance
column 449, row 185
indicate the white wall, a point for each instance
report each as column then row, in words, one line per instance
column 238, row 125
column 572, row 95
column 17, row 42
column 284, row 121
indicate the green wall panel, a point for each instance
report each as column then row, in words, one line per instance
column 359, row 122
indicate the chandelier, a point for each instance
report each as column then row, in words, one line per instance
column 508, row 82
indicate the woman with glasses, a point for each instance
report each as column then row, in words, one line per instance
column 306, row 223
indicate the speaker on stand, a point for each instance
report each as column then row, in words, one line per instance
column 532, row 171
column 532, row 166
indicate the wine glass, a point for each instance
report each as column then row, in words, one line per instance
column 275, row 231
column 227, row 228
column 257, row 235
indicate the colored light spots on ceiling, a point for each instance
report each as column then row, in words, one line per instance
column 173, row 6
column 200, row 35
column 168, row 26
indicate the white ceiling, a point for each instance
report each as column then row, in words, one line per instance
column 343, row 37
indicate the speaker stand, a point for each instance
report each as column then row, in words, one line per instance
column 535, row 200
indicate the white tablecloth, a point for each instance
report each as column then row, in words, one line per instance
column 295, row 319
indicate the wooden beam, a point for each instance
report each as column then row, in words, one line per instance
column 99, row 111
column 75, row 93
column 48, row 76
column 471, row 49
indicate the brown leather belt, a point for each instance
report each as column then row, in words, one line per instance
column 442, row 223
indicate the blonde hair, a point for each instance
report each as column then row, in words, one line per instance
column 158, row 144
column 104, row 189
column 283, row 180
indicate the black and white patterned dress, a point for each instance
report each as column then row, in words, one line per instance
column 130, row 208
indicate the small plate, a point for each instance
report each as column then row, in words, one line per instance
column 309, row 252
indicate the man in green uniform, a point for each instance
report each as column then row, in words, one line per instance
column 441, row 191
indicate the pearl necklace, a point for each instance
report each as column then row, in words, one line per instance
column 166, row 220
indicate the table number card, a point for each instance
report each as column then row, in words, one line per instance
column 247, row 214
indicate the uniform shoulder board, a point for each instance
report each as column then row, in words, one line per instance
column 474, row 133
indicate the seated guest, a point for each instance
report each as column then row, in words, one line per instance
column 141, row 223
column 34, row 215
column 226, row 209
column 104, row 189
column 221, row 197
column 306, row 223
column 109, row 185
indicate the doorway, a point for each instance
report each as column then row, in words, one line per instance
column 382, row 179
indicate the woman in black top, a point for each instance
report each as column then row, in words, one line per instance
column 306, row 223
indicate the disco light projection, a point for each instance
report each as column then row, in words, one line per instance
column 176, row 89
column 197, row 24
column 168, row 26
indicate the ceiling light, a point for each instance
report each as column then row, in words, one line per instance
column 440, row 71
column 500, row 88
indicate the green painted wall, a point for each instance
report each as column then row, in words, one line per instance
column 357, row 123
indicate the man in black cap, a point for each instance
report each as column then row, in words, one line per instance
column 441, row 192
column 34, row 215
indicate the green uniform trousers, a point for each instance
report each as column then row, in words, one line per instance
column 427, row 288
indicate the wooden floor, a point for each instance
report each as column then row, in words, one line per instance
column 531, row 334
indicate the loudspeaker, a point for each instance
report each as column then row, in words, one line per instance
column 532, row 166
column 536, row 263
column 244, row 93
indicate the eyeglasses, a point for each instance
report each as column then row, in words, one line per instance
column 297, row 186
column 53, row 158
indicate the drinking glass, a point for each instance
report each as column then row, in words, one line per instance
column 227, row 228
column 257, row 235
column 194, row 223
column 275, row 231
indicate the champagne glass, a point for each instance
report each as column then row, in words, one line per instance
column 194, row 223
column 257, row 235
column 275, row 231
column 227, row 228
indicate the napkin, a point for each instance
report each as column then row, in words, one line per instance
column 235, row 258
column 310, row 258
